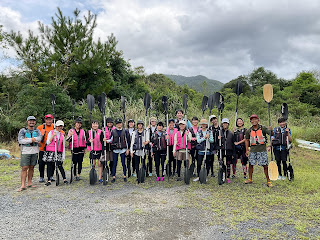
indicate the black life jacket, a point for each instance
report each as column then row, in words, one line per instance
column 159, row 142
column 119, row 142
column 239, row 135
column 194, row 134
column 202, row 146
column 227, row 141
column 137, row 144
column 215, row 132
column 280, row 138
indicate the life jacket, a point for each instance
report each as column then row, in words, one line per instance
column 159, row 142
column 279, row 137
column 239, row 135
column 108, row 133
column 137, row 144
column 148, row 146
column 215, row 133
column 78, row 140
column 227, row 142
column 50, row 147
column 119, row 142
column 30, row 134
column 181, row 143
column 257, row 137
column 194, row 134
column 97, row 146
column 171, row 137
column 202, row 146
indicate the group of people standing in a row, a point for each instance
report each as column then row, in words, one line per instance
column 141, row 144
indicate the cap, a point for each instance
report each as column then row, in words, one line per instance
column 160, row 124
column 59, row 123
column 203, row 121
column 140, row 122
column 171, row 120
column 48, row 116
column 182, row 122
column 253, row 116
column 79, row 120
column 225, row 120
column 109, row 119
column 153, row 119
column 31, row 118
column 211, row 117
column 118, row 120
column 130, row 120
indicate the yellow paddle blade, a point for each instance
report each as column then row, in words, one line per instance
column 273, row 171
column 267, row 92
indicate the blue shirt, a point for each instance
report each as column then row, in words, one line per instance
column 281, row 147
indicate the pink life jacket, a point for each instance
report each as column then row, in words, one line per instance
column 97, row 146
column 108, row 133
column 171, row 138
column 50, row 147
column 182, row 144
column 78, row 141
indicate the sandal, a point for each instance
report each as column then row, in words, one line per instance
column 249, row 181
column 31, row 186
column 269, row 184
column 21, row 189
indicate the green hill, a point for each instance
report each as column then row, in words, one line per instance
column 200, row 83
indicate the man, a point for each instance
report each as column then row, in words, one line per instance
column 215, row 128
column 150, row 131
column 256, row 139
column 28, row 139
column 44, row 129
column 179, row 115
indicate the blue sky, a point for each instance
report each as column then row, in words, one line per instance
column 219, row 39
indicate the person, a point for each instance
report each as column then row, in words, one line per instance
column 215, row 128
column 227, row 145
column 131, row 129
column 108, row 148
column 79, row 146
column 239, row 135
column 150, row 130
column 282, row 135
column 256, row 139
column 120, row 144
column 44, row 128
column 193, row 130
column 179, row 117
column 55, row 152
column 181, row 146
column 94, row 146
column 138, row 142
column 172, row 160
column 204, row 138
column 159, row 149
column 28, row 139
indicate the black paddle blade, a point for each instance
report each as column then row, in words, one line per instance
column 203, row 175
column 165, row 103
column 239, row 87
column 284, row 111
column 123, row 103
column 102, row 102
column 186, row 176
column 53, row 99
column 219, row 99
column 73, row 102
column 90, row 102
column 147, row 100
column 290, row 173
column 185, row 102
column 93, row 176
column 211, row 102
column 105, row 175
column 204, row 103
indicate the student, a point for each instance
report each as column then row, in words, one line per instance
column 256, row 139
column 138, row 142
column 120, row 144
column 150, row 130
column 204, row 138
column 179, row 117
column 159, row 149
column 107, row 135
column 239, row 136
column 172, row 160
column 131, row 129
column 215, row 128
column 28, row 139
column 280, row 146
column 96, row 141
column 181, row 139
column 79, row 146
column 55, row 152
column 193, row 130
column 227, row 145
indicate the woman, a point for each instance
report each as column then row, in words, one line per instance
column 130, row 130
column 79, row 146
column 239, row 136
column 55, row 152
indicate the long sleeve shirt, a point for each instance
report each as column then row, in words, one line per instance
column 26, row 145
column 58, row 138
column 189, row 137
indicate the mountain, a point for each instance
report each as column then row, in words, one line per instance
column 196, row 82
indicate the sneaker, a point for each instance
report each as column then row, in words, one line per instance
column 194, row 175
column 134, row 175
column 279, row 178
column 65, row 182
column 52, row 179
column 161, row 179
column 196, row 179
column 113, row 180
column 158, row 178
column 228, row 180
column 284, row 178
column 150, row 174
column 41, row 180
column 179, row 179
column 48, row 184
column 233, row 176
column 125, row 179
column 100, row 180
column 244, row 176
column 212, row 175
column 77, row 178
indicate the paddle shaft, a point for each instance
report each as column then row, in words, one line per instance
column 270, row 132
column 236, row 115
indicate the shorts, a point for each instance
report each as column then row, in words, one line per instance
column 109, row 157
column 28, row 159
column 95, row 155
column 260, row 157
column 181, row 156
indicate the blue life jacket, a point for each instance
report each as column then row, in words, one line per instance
column 30, row 134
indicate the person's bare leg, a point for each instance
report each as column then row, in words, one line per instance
column 24, row 170
column 250, row 171
column 100, row 169
column 30, row 175
column 266, row 172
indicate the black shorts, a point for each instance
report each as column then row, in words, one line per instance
column 95, row 155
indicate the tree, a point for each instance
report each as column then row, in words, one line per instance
column 260, row 77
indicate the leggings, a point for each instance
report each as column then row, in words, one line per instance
column 172, row 161
column 137, row 161
column 240, row 154
column 115, row 162
column 77, row 159
column 210, row 164
column 132, row 160
column 51, row 167
column 159, row 156
column 199, row 163
column 42, row 164
column 281, row 156
column 150, row 162
column 228, row 161
column 179, row 163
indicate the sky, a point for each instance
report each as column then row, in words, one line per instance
column 220, row 39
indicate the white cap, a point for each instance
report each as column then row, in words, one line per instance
column 212, row 116
column 59, row 123
column 225, row 120
column 182, row 122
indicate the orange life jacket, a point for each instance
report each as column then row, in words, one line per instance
column 257, row 137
